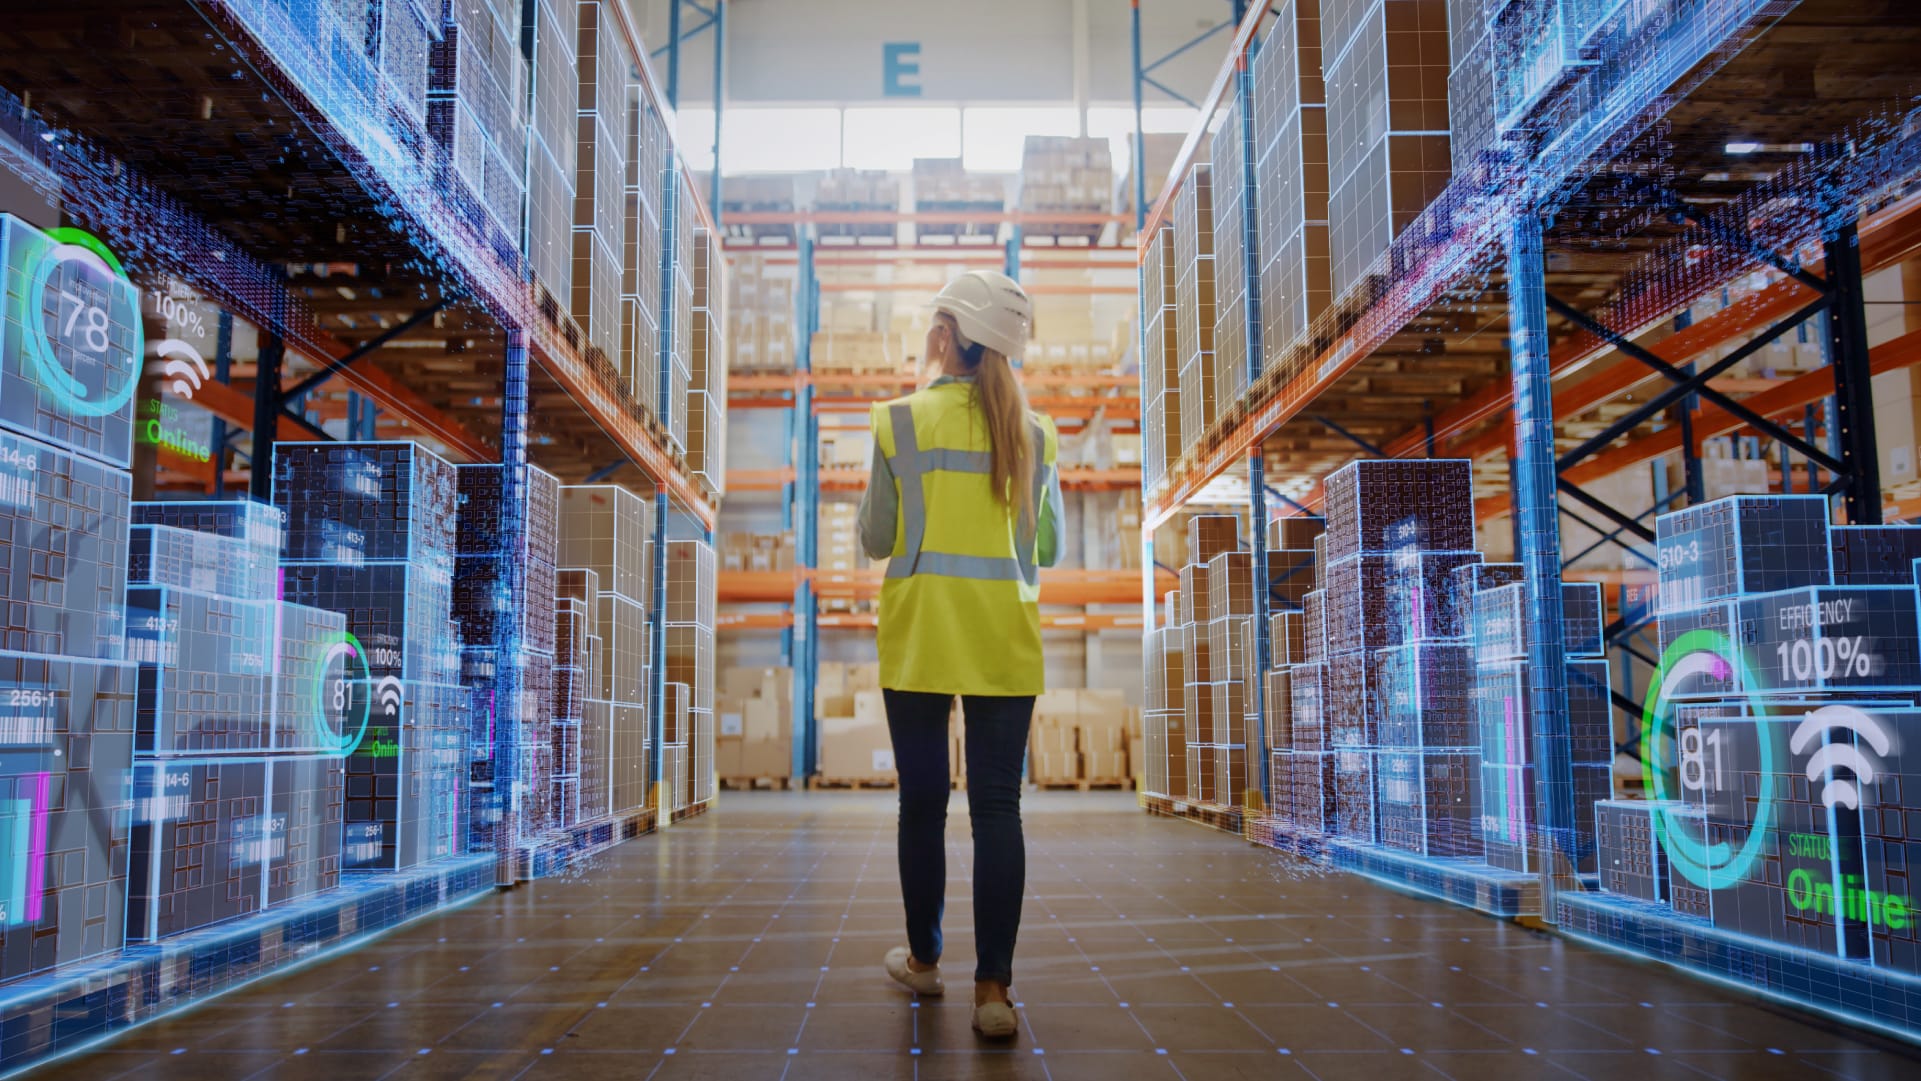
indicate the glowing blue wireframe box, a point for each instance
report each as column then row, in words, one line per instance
column 1537, row 50
column 1429, row 802
column 1427, row 696
column 1312, row 791
column 222, row 837
column 1498, row 621
column 220, row 675
column 1874, row 555
column 1740, row 545
column 405, row 782
column 71, row 342
column 1468, row 581
column 1805, row 817
column 1633, row 860
column 1308, row 727
column 1853, row 638
column 479, row 599
column 66, row 748
column 351, row 503
column 183, row 559
column 1351, row 702
column 1377, row 601
column 1356, row 815
column 1384, row 506
column 63, row 552
column 400, row 37
column 260, row 527
column 397, row 613
column 70, row 1008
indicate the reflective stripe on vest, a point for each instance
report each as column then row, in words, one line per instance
column 913, row 500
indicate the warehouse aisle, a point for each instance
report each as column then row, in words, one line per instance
column 747, row 944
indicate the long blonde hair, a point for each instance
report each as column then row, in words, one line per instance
column 1009, row 438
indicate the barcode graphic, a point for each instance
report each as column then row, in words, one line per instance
column 17, row 490
column 25, row 731
column 161, row 808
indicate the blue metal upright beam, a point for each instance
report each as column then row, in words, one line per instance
column 222, row 373
column 806, row 512
column 1140, row 133
column 720, row 71
column 507, row 778
column 1256, row 466
column 1537, row 521
column 671, row 188
column 673, row 54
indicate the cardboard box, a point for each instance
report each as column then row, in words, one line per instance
column 857, row 749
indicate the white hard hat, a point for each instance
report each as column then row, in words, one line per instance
column 991, row 309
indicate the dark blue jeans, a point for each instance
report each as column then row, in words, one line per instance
column 996, row 748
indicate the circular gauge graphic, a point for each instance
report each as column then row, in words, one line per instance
column 337, row 731
column 83, row 336
column 1696, row 657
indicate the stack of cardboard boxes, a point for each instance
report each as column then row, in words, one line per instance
column 1064, row 174
column 857, row 190
column 1081, row 736
column 1194, row 306
column 1385, row 165
column 1162, row 148
column 944, row 185
column 1161, row 410
column 707, row 363
column 757, row 551
column 1290, row 147
column 855, row 748
column 606, row 741
column 852, row 352
column 760, row 315
column 754, row 738
column 846, row 448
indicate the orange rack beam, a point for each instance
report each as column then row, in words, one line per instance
column 1054, row 405
column 920, row 217
column 760, row 480
column 1033, row 288
column 1711, row 420
column 1886, row 238
column 1058, row 586
column 844, row 479
column 1050, row 621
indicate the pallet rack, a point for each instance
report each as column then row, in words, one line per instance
column 345, row 251
column 807, row 394
column 1513, row 315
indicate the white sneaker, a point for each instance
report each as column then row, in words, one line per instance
column 927, row 984
column 995, row 1020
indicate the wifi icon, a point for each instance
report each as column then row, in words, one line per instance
column 387, row 695
column 1831, row 756
column 182, row 364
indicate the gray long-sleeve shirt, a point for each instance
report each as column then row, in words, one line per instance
column 880, row 506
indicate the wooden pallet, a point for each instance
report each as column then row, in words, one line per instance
column 853, row 783
column 748, row 784
column 1086, row 784
column 1213, row 816
column 684, row 813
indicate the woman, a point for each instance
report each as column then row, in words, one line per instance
column 965, row 505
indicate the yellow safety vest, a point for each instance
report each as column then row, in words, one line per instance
column 960, row 606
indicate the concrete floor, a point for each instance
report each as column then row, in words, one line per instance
column 746, row 944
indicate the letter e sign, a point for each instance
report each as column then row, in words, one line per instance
column 900, row 69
